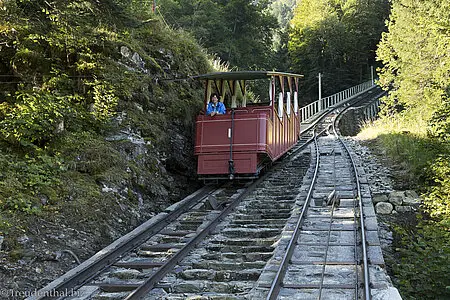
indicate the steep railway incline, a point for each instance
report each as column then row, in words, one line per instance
column 227, row 265
column 228, row 242
column 329, row 248
column 327, row 258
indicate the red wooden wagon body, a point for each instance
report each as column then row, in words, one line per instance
column 240, row 143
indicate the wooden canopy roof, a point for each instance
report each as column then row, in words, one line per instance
column 243, row 75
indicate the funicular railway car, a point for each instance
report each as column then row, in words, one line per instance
column 253, row 132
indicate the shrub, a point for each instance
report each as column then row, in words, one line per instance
column 424, row 268
column 29, row 182
column 35, row 118
column 437, row 203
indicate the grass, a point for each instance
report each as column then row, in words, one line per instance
column 423, row 252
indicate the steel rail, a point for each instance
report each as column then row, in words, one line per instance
column 278, row 280
column 90, row 268
column 355, row 246
column 322, row 277
column 355, row 230
column 367, row 294
column 351, row 102
column 276, row 284
column 151, row 281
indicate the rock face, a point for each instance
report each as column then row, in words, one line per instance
column 134, row 58
column 117, row 179
column 349, row 123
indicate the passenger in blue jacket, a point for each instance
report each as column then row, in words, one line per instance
column 215, row 107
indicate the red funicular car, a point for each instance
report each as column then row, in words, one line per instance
column 254, row 131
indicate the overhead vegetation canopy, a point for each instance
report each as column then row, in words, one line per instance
column 239, row 32
column 337, row 38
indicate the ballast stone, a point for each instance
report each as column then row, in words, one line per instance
column 384, row 208
column 379, row 198
column 396, row 197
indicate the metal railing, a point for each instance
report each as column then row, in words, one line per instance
column 311, row 110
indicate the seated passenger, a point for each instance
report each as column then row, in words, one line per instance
column 215, row 107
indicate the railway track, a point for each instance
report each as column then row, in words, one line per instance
column 215, row 244
column 326, row 254
column 138, row 262
column 229, row 262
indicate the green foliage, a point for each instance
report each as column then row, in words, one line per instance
column 424, row 251
column 416, row 62
column 337, row 39
column 283, row 10
column 424, row 268
column 29, row 182
column 437, row 202
column 33, row 118
column 5, row 225
column 89, row 153
column 105, row 101
column 237, row 31
column 55, row 57
column 439, row 125
column 414, row 152
column 67, row 68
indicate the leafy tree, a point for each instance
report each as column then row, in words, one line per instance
column 62, row 66
column 415, row 72
column 237, row 31
column 416, row 63
column 336, row 38
column 50, row 60
column 283, row 10
column 66, row 69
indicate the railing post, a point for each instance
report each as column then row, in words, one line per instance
column 371, row 74
column 320, row 92
column 319, row 105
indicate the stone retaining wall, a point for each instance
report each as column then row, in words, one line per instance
column 396, row 202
